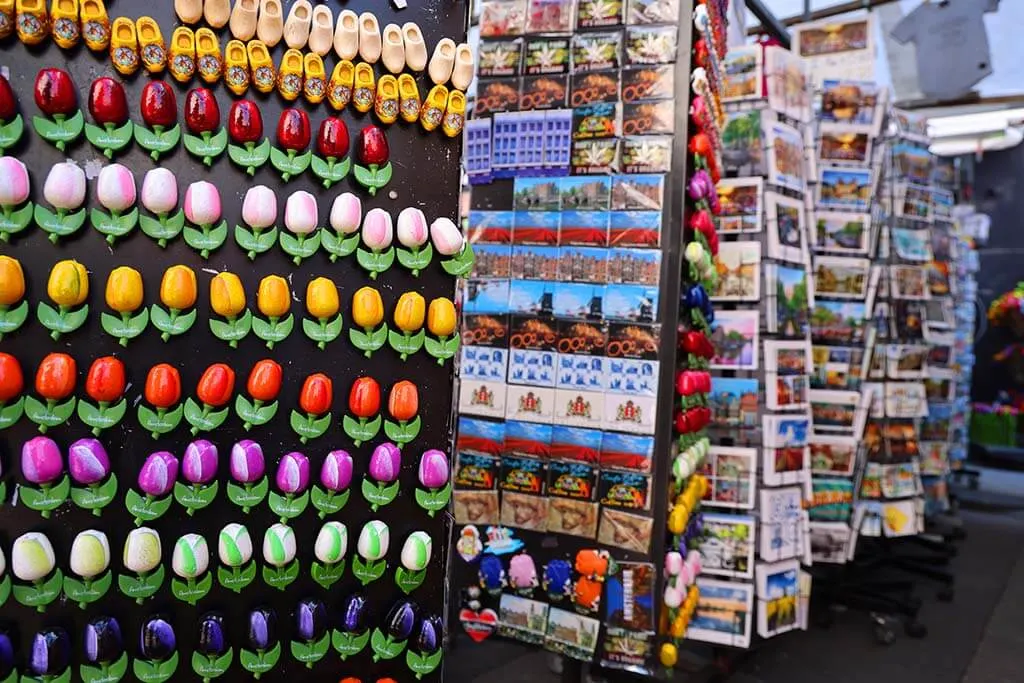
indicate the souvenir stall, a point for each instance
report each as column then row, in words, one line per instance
column 965, row 318
column 208, row 182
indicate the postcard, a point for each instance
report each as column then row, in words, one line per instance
column 573, row 517
column 844, row 189
column 782, row 431
column 837, row 144
column 727, row 547
column 531, row 297
column 571, row 634
column 598, row 13
column 477, row 472
column 731, row 474
column 576, row 480
column 527, row 438
column 740, row 202
column 909, row 282
column 579, row 408
column 778, row 595
column 743, row 143
column 638, row 377
column 629, row 413
column 837, row 47
column 724, row 613
column 782, row 523
column 522, row 619
column 577, row 300
column 788, row 297
column 786, row 78
column 785, row 156
column 833, row 455
column 739, row 272
column 625, row 530
column 838, row 411
column 913, row 162
column 788, row 364
column 475, row 507
column 629, row 638
column 733, row 402
column 785, row 225
column 534, row 263
column 841, row 278
column 838, row 322
column 855, row 104
column 742, row 73
column 838, row 367
column 905, row 400
column 830, row 542
column 831, row 500
column 908, row 362
column 785, row 464
column 912, row 245
column 482, row 437
column 626, row 451
column 537, row 93
column 841, row 232
column 735, row 337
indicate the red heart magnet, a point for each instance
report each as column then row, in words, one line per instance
column 479, row 624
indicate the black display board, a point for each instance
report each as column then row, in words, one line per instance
column 426, row 175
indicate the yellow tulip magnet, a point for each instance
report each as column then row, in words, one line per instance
column 227, row 299
column 13, row 307
column 410, row 312
column 274, row 300
column 441, row 322
column 68, row 287
column 124, row 295
column 323, row 304
column 368, row 313
column 178, row 294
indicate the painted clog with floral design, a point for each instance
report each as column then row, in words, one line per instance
column 64, row 23
column 151, row 45
column 183, row 54
column 365, row 88
column 95, row 25
column 339, row 92
column 124, row 46
column 289, row 75
column 263, row 75
column 314, row 87
column 434, row 108
column 236, row 67
column 385, row 105
column 209, row 62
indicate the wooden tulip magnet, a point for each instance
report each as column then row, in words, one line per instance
column 190, row 561
column 214, row 390
column 56, row 97
column 330, row 549
column 55, row 382
column 162, row 391
column 159, row 109
column 331, row 495
column 15, row 211
column 90, row 562
column 234, row 547
column 382, row 485
column 364, row 403
column 199, row 469
column 373, row 168
column 315, row 400
column 104, row 384
column 281, row 568
column 108, row 106
column 301, row 216
column 13, row 305
column 322, row 303
column 248, row 148
column 434, row 477
column 414, row 236
column 407, row 337
column 249, row 484
column 178, row 294
column 441, row 322
column 203, row 209
column 65, row 191
column 124, row 296
column 274, row 300
column 377, row 234
column 156, row 480
column 368, row 313
column 346, row 217
column 205, row 139
column 264, row 385
column 448, row 241
column 227, row 299
column 12, row 401
column 403, row 405
column 34, row 564
column 11, row 124
column 292, row 481
column 142, row 556
column 115, row 190
column 160, row 196
column 68, row 287
column 331, row 163
column 259, row 215
column 369, row 564
column 42, row 466
column 416, row 554
column 290, row 157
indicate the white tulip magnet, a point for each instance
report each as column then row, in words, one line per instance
column 416, row 554
column 160, row 197
column 33, row 562
column 369, row 565
column 14, row 191
column 346, row 216
column 190, row 561
column 448, row 241
column 65, row 191
column 414, row 236
column 330, row 549
column 142, row 555
column 301, row 217
column 90, row 559
column 377, row 234
column 234, row 548
column 115, row 190
column 203, row 209
column 259, row 216
column 281, row 567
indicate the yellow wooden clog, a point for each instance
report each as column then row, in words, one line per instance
column 151, row 42
column 210, row 64
column 363, row 91
column 7, row 20
column 315, row 85
column 289, row 75
column 236, row 70
column 339, row 92
column 32, row 21
column 385, row 105
column 455, row 113
column 95, row 24
column 263, row 74
column 183, row 54
column 409, row 103
column 64, row 23
column 433, row 108
column 124, row 46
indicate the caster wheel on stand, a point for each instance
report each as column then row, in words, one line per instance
column 946, row 594
column 884, row 635
column 915, row 629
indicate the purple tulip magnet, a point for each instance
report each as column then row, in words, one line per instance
column 156, row 480
column 96, row 485
column 43, row 465
column 199, row 468
column 382, row 486
column 434, row 473
column 292, row 481
column 331, row 494
column 248, row 468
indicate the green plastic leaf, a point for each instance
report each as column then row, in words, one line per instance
column 205, row 239
column 250, row 159
column 273, row 332
column 330, row 171
column 232, row 330
column 192, row 591
column 15, row 221
column 281, row 578
column 204, row 419
column 384, row 647
column 155, row 672
column 59, row 227
column 61, row 323
column 349, row 644
column 10, row 133
column 162, row 229
column 361, row 432
column 121, row 328
column 434, row 501
column 378, row 495
column 63, row 677
column 441, row 349
column 45, row 415
column 157, row 424
column 101, row 418
column 300, row 246
column 416, row 260
column 327, row 574
column 84, row 593
column 13, row 318
column 255, row 241
column 259, row 663
column 95, row 497
column 368, row 342
column 375, row 262
column 59, row 133
column 48, row 499
column 408, row 581
column 310, row 653
column 461, row 264
column 42, row 594
column 252, row 415
column 248, row 498
column 406, row 344
column 10, row 414
column 289, row 166
column 322, row 332
column 171, row 323
column 146, row 511
column 194, row 498
column 113, row 226
column 141, row 587
column 368, row 572
column 337, row 245
column 288, row 507
column 5, row 589
column 402, row 433
column 309, row 427
column 421, row 665
column 112, row 673
column 112, row 139
column 328, row 502
column 207, row 666
column 236, row 578
column 207, row 150
column 157, row 142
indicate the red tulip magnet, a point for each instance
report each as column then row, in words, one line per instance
column 108, row 106
column 12, row 402
column 364, row 403
column 373, row 169
column 293, row 135
column 105, row 385
column 11, row 124
column 56, row 96
column 159, row 109
column 248, row 148
column 315, row 400
column 205, row 139
column 331, row 163
column 263, row 386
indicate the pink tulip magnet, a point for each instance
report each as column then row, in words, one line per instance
column 292, row 480
column 15, row 209
column 301, row 217
column 202, row 209
column 160, row 197
column 199, row 469
column 377, row 235
column 42, row 465
column 448, row 241
column 259, row 217
column 346, row 215
column 115, row 190
column 156, row 480
column 65, row 191
column 436, row 488
column 382, row 486
column 331, row 495
column 414, row 236
column 95, row 483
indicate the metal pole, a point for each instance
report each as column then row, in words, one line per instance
column 770, row 24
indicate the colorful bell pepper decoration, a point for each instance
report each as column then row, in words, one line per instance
column 55, row 382
column 448, row 241
column 42, row 466
column 234, row 548
column 322, row 303
column 364, row 404
column 330, row 549
column 274, row 300
column 205, row 138
column 156, row 480
column 331, row 495
column 108, row 106
column 13, row 305
column 190, row 561
column 104, row 652
column 124, row 296
column 214, row 391
column 407, row 337
column 160, row 196
column 382, row 486
column 315, row 400
column 12, row 126
column 390, row 641
column 293, row 136
column 415, row 557
column 34, row 563
column 65, row 191
column 249, row 483
column 264, row 385
column 265, row 649
column 346, row 217
column 104, row 383
column 56, row 96
column 203, row 209
column 414, row 236
column 68, row 287
column 372, row 169
column 352, row 635
column 281, row 568
column 227, row 299
column 368, row 313
column 248, row 148
column 95, row 483
column 178, row 293
column 403, row 405
column 199, row 469
column 292, row 481
column 369, row 565
column 259, row 213
column 212, row 657
column 441, row 322
column 162, row 391
column 434, row 476
column 12, row 402
column 115, row 190
column 331, row 163
column 425, row 652
column 377, row 235
column 301, row 217
column 158, row 656
column 159, row 109
column 90, row 561
column 142, row 556
column 16, row 211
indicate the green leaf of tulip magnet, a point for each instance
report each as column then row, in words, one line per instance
column 10, row 132
column 260, row 662
column 209, row 667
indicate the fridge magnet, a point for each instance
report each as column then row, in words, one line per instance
column 739, row 272
column 206, row 139
column 597, row 14
column 650, row 44
column 266, row 649
column 412, row 233
column 651, row 12
column 248, row 149
column 331, row 546
column 273, row 300
column 160, row 197
column 13, row 304
column 727, row 547
column 377, row 234
column 844, row 189
column 368, row 313
column 572, row 517
column 550, row 16
column 638, row 192
column 292, row 480
column 104, row 652
column 536, row 194
column 496, row 96
column 777, row 591
column 441, row 323
column 89, row 466
column 648, row 118
column 416, row 552
column 353, row 635
column 162, row 391
column 382, row 486
column 571, row 634
column 159, row 108
column 311, row 628
column 199, row 468
column 855, row 105
column 55, row 95
column 249, row 486
column 34, row 563
column 315, row 400
column 546, row 55
column 142, row 556
column 595, row 121
column 838, row 145
column 12, row 126
column 646, row 153
column 301, row 217
column 259, row 216
column 390, row 642
column 524, row 511
column 227, row 299
column 64, row 190
column 373, row 170
column 124, row 295
column 90, row 562
column 346, row 217
column 369, row 564
column 403, row 405
column 178, row 294
column 706, row 624
column 234, row 548
column 263, row 385
column 543, row 92
column 12, row 402
column 364, row 404
column 208, row 230
column 424, row 653
column 281, row 568
column 159, row 656
column 434, row 478
column 595, row 157
column 408, row 335
column 785, row 146
column 42, row 466
column 108, row 106
column 731, row 476
column 499, row 18
column 476, row 507
column 104, row 384
column 522, row 574
column 212, row 657
column 214, row 390
column 841, row 278
column 68, row 287
column 190, row 561
column 499, row 57
column 55, row 382
column 596, row 51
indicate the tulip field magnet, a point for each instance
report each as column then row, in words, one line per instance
column 35, row 566
column 43, row 467
column 377, row 234
column 190, row 561
column 407, row 337
column 90, row 561
column 293, row 135
column 15, row 211
column 382, row 486
column 292, row 481
column 281, row 568
column 434, row 478
column 415, row 558
column 65, row 191
column 301, row 216
column 441, row 323
column 413, row 234
column 227, row 299
column 68, row 287
column 249, row 486
column 264, row 385
column 368, row 313
column 330, row 549
column 274, row 300
column 212, row 656
column 259, row 216
column 56, row 97
column 203, row 210
column 115, row 190
column 234, row 547
column 162, row 391
column 315, row 400
column 156, row 480
column 107, row 661
column 311, row 628
column 178, row 294
column 13, row 304
column 373, row 169
column 425, row 652
column 124, row 296
column 158, row 650
column 262, row 638
column 248, row 148
column 214, row 391
column 199, row 468
column 205, row 139
column 142, row 556
column 364, row 403
column 95, row 485
column 390, row 641
column 331, row 163
column 159, row 109
column 403, row 404
column 346, row 217
column 352, row 637
column 160, row 197
column 369, row 565
column 322, row 303
column 331, row 495
column 12, row 125
column 12, row 402
column 108, row 106
column 448, row 241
